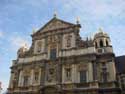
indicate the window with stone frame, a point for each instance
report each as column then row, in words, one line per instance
column 68, row 74
column 53, row 54
column 39, row 46
column 82, row 69
column 104, row 72
column 25, row 82
column 83, row 76
column 36, row 76
column 68, row 39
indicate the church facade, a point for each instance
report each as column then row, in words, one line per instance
column 59, row 61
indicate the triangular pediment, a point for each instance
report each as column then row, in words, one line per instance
column 54, row 24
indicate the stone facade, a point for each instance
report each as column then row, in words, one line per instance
column 60, row 62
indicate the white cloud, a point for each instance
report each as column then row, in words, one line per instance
column 96, row 9
column 1, row 34
column 18, row 42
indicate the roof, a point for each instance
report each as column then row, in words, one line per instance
column 120, row 64
column 100, row 33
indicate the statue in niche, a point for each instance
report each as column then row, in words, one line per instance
column 51, row 75
column 39, row 46
column 68, row 40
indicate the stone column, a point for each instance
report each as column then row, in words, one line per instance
column 74, row 74
column 90, row 70
column 94, row 71
column 63, row 74
column 11, row 80
column 39, row 78
column 32, row 76
column 98, row 43
column 42, row 77
column 112, row 71
column 104, row 42
column 20, row 78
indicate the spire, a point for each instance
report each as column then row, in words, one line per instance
column 77, row 20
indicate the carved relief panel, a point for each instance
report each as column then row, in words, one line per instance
column 68, row 41
column 51, row 72
column 39, row 46
column 55, row 24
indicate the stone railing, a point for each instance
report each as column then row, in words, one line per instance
column 104, row 50
column 77, row 52
column 33, row 58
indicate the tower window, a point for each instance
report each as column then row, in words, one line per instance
column 101, row 43
column 83, row 76
column 107, row 44
column 53, row 54
column 95, row 44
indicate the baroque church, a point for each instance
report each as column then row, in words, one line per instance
column 59, row 61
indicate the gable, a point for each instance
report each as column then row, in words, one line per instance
column 55, row 24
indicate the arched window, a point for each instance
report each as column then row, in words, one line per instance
column 96, row 45
column 107, row 44
column 101, row 43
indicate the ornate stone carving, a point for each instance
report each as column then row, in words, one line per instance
column 51, row 72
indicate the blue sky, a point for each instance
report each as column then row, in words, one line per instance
column 19, row 17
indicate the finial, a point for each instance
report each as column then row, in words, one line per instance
column 100, row 29
column 25, row 45
column 77, row 20
column 55, row 14
column 33, row 31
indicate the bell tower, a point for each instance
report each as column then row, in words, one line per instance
column 104, row 57
column 102, row 42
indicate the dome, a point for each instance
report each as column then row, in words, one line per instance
column 100, row 33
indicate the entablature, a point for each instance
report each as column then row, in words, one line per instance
column 62, row 53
